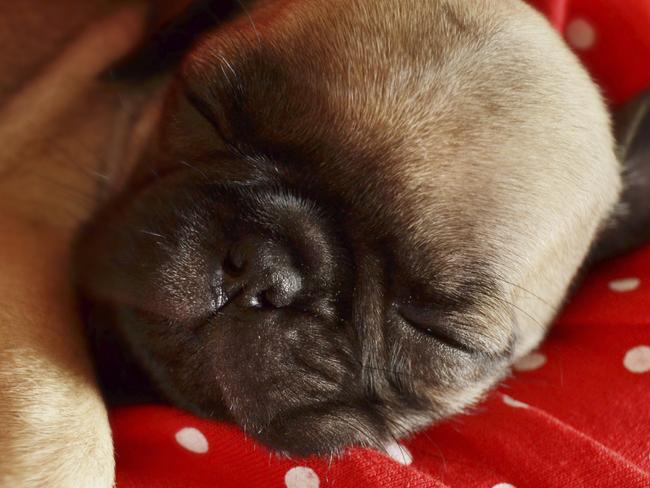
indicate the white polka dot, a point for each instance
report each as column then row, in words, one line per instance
column 399, row 453
column 504, row 485
column 534, row 360
column 581, row 34
column 637, row 359
column 192, row 439
column 624, row 284
column 508, row 400
column 301, row 477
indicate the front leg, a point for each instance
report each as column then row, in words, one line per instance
column 55, row 430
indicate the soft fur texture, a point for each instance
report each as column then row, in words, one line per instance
column 357, row 215
column 59, row 130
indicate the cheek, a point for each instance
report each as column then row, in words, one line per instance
column 455, row 399
column 425, row 371
column 538, row 240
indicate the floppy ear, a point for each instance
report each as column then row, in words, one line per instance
column 630, row 224
column 174, row 26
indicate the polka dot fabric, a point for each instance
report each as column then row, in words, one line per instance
column 611, row 37
column 575, row 413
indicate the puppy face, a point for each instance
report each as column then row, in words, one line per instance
column 357, row 214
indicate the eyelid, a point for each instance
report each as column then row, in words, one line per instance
column 200, row 105
column 431, row 320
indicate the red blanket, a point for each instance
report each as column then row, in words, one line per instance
column 575, row 413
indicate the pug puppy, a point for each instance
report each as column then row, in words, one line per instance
column 356, row 214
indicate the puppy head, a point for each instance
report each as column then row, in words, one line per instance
column 357, row 214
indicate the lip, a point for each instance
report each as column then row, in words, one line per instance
column 355, row 427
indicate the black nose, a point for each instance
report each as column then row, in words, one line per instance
column 259, row 273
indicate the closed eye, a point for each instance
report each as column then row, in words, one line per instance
column 202, row 107
column 432, row 322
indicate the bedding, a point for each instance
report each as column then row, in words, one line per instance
column 574, row 413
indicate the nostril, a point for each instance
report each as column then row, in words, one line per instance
column 234, row 262
column 260, row 274
column 253, row 301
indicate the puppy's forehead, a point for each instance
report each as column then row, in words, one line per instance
column 426, row 84
column 369, row 65
column 373, row 83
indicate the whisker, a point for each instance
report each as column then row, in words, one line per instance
column 388, row 370
column 195, row 168
column 151, row 233
column 542, row 300
column 98, row 175
column 372, row 441
column 384, row 370
column 494, row 296
column 250, row 19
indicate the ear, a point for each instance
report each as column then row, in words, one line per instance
column 174, row 26
column 629, row 226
